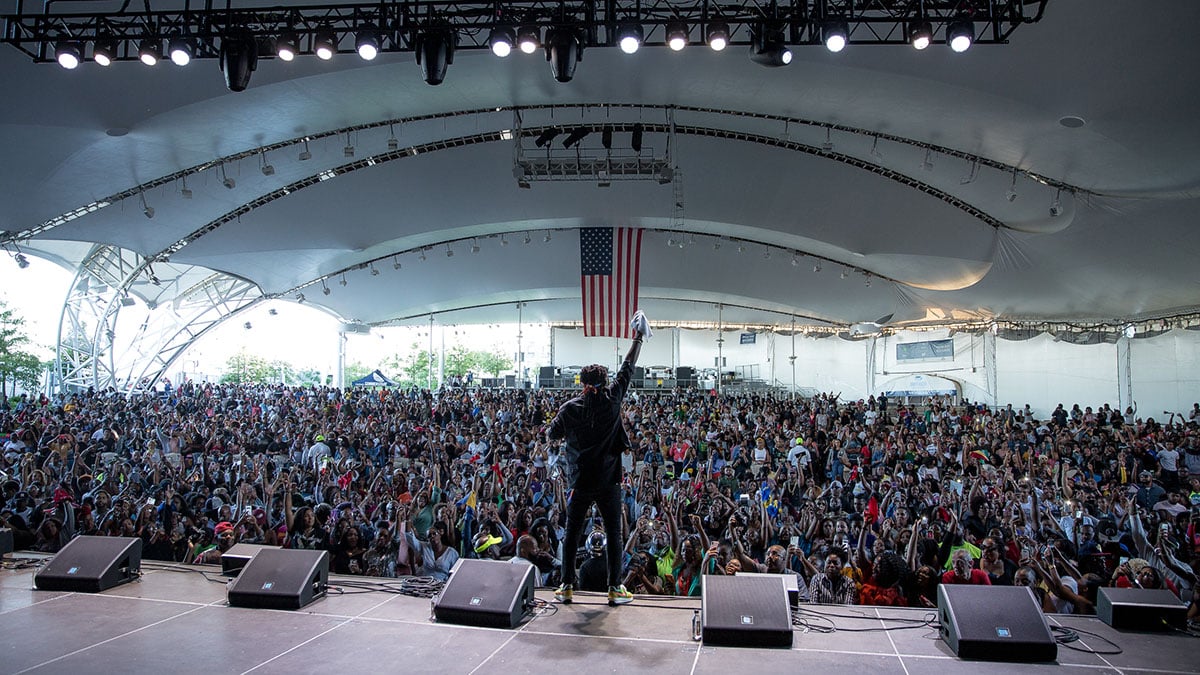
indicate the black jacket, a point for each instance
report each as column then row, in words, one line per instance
column 591, row 426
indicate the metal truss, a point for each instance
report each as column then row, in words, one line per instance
column 397, row 24
column 87, row 335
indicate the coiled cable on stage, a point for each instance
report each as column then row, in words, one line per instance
column 1066, row 636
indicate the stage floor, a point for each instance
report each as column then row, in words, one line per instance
column 178, row 621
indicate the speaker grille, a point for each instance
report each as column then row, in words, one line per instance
column 746, row 611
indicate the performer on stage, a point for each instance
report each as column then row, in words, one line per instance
column 591, row 463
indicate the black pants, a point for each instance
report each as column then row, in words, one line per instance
column 608, row 501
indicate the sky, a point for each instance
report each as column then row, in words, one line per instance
column 299, row 334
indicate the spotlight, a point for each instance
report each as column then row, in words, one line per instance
column 501, row 41
column 529, row 39
column 767, row 48
column 1056, row 205
column 148, row 211
column 343, row 281
column 422, row 256
column 575, row 136
column 287, row 46
column 104, row 52
column 180, row 49
column 1011, row 195
column 717, row 35
column 148, row 52
column 920, row 34
column 835, row 34
column 474, row 246
column 68, row 54
column 299, row 297
column 546, row 137
column 227, row 180
column 527, row 238
column 22, row 261
column 267, row 169
column 273, row 312
column 435, row 53
column 817, row 266
column 927, row 163
column 636, row 140
column 546, row 239
column 374, row 270
column 503, row 241
column 677, row 35
column 348, row 151
column 367, row 43
column 395, row 263
column 449, row 251
column 247, row 325
column 844, row 274
column 960, row 35
column 563, row 51
column 325, row 44
column 305, row 155
column 239, row 59
column 629, row 37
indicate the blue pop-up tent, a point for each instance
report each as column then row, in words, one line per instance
column 375, row 379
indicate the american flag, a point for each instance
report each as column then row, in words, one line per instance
column 609, row 263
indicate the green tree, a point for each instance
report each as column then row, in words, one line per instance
column 355, row 371
column 243, row 368
column 459, row 360
column 18, row 365
column 413, row 367
column 493, row 362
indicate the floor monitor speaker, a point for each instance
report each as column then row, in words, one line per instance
column 233, row 560
column 745, row 611
column 486, row 593
column 279, row 578
column 92, row 564
column 1141, row 609
column 995, row 623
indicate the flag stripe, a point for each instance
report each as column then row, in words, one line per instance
column 610, row 261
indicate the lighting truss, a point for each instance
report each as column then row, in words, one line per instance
column 397, row 23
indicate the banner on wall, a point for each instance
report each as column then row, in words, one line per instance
column 748, row 338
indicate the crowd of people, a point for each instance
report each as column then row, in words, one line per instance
column 866, row 502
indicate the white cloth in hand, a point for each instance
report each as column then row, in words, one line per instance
column 640, row 324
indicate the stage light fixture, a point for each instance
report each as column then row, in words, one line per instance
column 503, row 241
column 795, row 261
column 393, row 143
column 348, row 150
column 817, row 266
column 767, row 48
column 677, row 35
column 576, row 135
column 546, row 239
column 960, row 34
column 474, row 246
column 374, row 269
column 1056, row 205
column 325, row 44
column 396, row 263
column 435, row 53
column 273, row 312
column 630, row 36
column 563, row 51
column 147, row 210
column 148, row 52
column 717, row 35
column 835, row 35
column 305, row 154
column 546, row 137
column 501, row 41
column 180, row 49
column 449, row 251
column 21, row 260
column 68, row 54
column 287, row 46
column 527, row 238
column 104, row 52
column 635, row 140
column 529, row 38
column 227, row 180
column 239, row 60
column 185, row 191
column 247, row 325
column 367, row 43
column 265, row 166
column 343, row 280
column 1011, row 195
column 920, row 34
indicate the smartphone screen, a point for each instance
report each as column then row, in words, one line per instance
column 795, row 541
